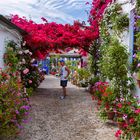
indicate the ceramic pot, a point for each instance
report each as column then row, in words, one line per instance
column 110, row 115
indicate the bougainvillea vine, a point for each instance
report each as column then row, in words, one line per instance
column 45, row 37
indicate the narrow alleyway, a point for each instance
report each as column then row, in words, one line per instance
column 74, row 118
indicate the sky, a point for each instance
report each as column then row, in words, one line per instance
column 60, row 11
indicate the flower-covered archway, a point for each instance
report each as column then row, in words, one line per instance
column 43, row 38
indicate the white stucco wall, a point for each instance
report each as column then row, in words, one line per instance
column 126, row 35
column 6, row 35
column 126, row 7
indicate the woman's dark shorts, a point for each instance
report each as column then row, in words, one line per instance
column 63, row 83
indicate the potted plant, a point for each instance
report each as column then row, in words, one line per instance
column 99, row 88
column 92, row 82
column 125, row 106
column 136, row 124
column 83, row 76
column 111, row 114
column 108, row 98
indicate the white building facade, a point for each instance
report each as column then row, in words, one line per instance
column 8, row 32
column 128, row 6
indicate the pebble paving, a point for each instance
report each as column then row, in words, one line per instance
column 75, row 118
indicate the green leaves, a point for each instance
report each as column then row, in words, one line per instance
column 0, row 112
column 115, row 21
column 138, row 6
column 10, row 57
column 114, row 61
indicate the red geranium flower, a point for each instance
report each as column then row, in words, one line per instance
column 119, row 105
column 131, row 121
column 118, row 133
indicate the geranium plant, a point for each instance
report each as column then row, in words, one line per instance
column 108, row 99
column 99, row 89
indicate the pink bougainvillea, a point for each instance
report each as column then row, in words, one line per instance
column 45, row 37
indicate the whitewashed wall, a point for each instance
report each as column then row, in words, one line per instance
column 126, row 36
column 126, row 7
column 6, row 35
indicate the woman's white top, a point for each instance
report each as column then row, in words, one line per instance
column 63, row 73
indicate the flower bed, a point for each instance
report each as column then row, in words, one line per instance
column 125, row 110
column 14, row 104
column 20, row 59
column 17, row 82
